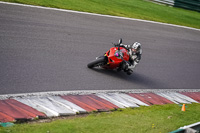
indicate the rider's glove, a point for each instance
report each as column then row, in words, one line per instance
column 137, row 60
column 131, row 67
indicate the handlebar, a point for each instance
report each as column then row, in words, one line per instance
column 119, row 55
column 126, row 62
column 117, row 45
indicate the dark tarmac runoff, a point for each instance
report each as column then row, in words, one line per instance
column 46, row 50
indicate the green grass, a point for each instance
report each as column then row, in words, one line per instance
column 140, row 9
column 152, row 119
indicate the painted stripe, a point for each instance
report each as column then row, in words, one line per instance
column 117, row 100
column 13, row 111
column 186, row 98
column 52, row 105
column 6, row 118
column 86, row 99
column 176, row 97
column 150, row 98
column 120, row 98
column 63, row 105
column 27, row 108
column 100, row 101
column 79, row 103
column 101, row 15
column 48, row 110
column 133, row 100
column 104, row 101
column 193, row 95
column 37, row 106
column 24, row 111
column 113, row 101
column 67, row 104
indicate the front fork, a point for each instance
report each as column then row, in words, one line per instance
column 122, row 66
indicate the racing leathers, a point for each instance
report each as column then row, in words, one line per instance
column 135, row 53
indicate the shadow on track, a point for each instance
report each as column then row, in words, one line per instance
column 135, row 79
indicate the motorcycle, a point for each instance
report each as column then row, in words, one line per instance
column 115, row 58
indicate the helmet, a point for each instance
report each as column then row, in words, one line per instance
column 136, row 47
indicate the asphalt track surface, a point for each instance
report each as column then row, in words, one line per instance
column 45, row 50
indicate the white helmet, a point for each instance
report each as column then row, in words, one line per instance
column 136, row 47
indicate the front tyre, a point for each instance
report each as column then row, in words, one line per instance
column 98, row 62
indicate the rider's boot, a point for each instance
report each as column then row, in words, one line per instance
column 122, row 66
column 129, row 71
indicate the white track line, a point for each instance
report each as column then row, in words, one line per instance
column 94, row 14
column 86, row 92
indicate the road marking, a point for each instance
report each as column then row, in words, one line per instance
column 86, row 92
column 101, row 15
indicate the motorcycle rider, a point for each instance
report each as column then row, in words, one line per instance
column 135, row 53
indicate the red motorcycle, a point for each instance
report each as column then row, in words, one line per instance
column 115, row 58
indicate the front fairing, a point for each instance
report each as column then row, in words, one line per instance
column 114, row 59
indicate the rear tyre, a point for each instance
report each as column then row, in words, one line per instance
column 98, row 62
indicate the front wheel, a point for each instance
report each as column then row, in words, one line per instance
column 98, row 62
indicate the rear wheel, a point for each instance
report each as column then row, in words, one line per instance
column 98, row 62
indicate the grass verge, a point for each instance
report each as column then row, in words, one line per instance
column 152, row 119
column 140, row 9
